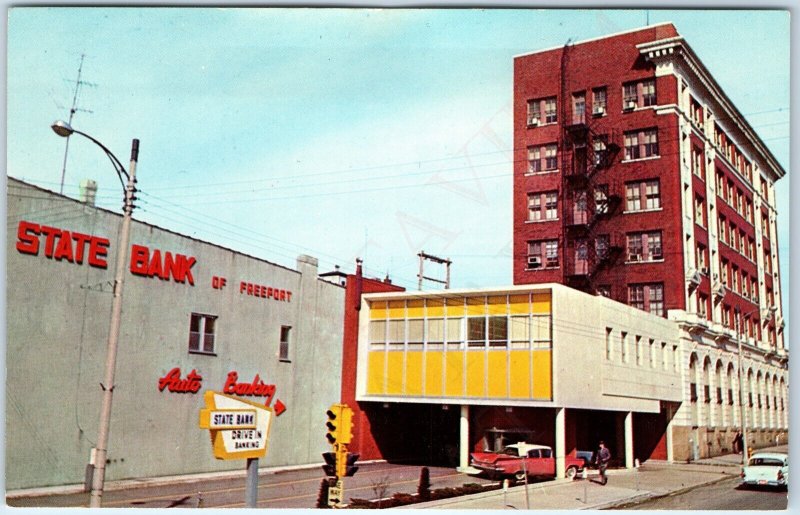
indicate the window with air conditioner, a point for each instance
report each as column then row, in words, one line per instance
column 534, row 261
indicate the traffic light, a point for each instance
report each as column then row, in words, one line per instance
column 330, row 464
column 351, row 468
column 346, row 426
column 334, row 423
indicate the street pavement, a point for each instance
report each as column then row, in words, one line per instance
column 625, row 486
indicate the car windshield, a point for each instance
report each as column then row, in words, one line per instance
column 766, row 462
column 511, row 451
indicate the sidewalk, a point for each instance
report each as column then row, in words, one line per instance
column 653, row 479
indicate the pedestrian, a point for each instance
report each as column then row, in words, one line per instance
column 737, row 443
column 602, row 457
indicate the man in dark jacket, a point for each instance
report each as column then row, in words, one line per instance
column 602, row 457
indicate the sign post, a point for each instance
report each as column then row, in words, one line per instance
column 239, row 429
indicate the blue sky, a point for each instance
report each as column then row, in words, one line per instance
column 335, row 133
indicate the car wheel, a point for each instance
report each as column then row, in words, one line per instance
column 572, row 472
column 520, row 476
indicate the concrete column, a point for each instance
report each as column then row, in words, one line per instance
column 561, row 448
column 463, row 444
column 670, row 422
column 629, row 440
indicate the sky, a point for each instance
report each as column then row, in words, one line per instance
column 337, row 133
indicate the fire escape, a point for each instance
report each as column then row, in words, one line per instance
column 587, row 200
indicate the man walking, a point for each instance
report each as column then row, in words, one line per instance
column 602, row 458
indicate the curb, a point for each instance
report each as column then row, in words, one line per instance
column 125, row 484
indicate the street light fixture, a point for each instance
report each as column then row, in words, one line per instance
column 64, row 129
column 743, row 421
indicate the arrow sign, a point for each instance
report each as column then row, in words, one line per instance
column 239, row 428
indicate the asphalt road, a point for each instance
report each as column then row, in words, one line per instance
column 724, row 495
column 291, row 489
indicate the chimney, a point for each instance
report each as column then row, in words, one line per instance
column 88, row 192
column 359, row 285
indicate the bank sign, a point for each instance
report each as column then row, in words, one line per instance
column 239, row 428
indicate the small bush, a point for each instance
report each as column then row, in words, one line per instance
column 424, row 487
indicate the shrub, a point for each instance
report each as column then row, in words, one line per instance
column 424, row 487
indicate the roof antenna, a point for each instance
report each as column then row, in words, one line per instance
column 78, row 83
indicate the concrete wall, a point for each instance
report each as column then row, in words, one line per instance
column 58, row 317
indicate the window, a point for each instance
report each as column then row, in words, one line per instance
column 638, row 94
column 699, row 211
column 476, row 331
column 700, row 257
column 535, row 162
column 696, row 112
column 697, row 162
column 702, row 305
column 638, row 349
column 604, row 290
column 543, row 206
column 579, row 107
column 599, row 105
column 601, row 244
column 724, row 271
column 283, row 352
column 543, row 254
column 640, row 144
column 600, row 147
column 640, row 196
column 542, row 105
column 647, row 297
column 498, row 331
column 601, row 199
column 201, row 333
column 624, row 344
column 723, row 229
column 609, row 349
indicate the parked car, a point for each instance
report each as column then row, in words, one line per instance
column 766, row 469
column 538, row 462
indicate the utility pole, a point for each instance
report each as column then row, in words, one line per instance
column 72, row 111
column 742, row 413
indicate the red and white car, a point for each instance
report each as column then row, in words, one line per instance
column 517, row 459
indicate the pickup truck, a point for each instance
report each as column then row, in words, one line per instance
column 766, row 469
column 538, row 462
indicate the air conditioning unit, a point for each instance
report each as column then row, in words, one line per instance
column 634, row 257
column 630, row 105
column 534, row 261
column 598, row 110
column 533, row 121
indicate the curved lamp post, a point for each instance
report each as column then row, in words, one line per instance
column 101, row 450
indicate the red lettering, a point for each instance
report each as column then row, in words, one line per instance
column 269, row 292
column 288, row 296
column 98, row 249
column 174, row 383
column 80, row 243
column 155, row 269
column 186, row 264
column 242, row 287
column 64, row 247
column 283, row 294
column 172, row 267
column 279, row 408
column 230, row 383
column 139, row 258
column 49, row 243
column 28, row 244
column 263, row 292
column 249, row 289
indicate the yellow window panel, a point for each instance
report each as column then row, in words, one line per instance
column 455, row 307
column 397, row 309
column 415, row 309
column 414, row 373
column 476, row 305
column 434, row 363
column 541, row 302
column 434, row 307
column 498, row 374
column 498, row 305
column 476, row 374
column 542, row 372
column 394, row 373
column 454, row 370
column 375, row 372
column 377, row 309
column 520, row 372
column 519, row 304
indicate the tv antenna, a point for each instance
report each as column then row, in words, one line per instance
column 74, row 109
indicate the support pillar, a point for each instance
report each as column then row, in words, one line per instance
column 670, row 451
column 629, row 440
column 463, row 444
column 561, row 447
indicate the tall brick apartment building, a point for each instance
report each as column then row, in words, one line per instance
column 636, row 178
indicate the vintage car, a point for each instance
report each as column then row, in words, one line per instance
column 517, row 459
column 766, row 469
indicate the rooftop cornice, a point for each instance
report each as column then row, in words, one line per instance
column 676, row 48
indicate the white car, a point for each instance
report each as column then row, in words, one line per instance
column 766, row 469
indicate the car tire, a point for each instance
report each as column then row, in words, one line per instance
column 572, row 472
column 520, row 476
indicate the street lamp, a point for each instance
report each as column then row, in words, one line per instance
column 101, row 450
column 743, row 421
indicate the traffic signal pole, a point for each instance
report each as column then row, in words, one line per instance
column 251, row 489
column 339, row 463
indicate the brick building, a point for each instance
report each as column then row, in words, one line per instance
column 636, row 178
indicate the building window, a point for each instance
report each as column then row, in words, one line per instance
column 599, row 105
column 700, row 257
column 697, row 162
column 640, row 196
column 202, row 329
column 476, row 331
column 543, row 254
column 601, row 244
column 535, row 154
column 283, row 353
column 600, row 155
column 645, row 246
column 609, row 349
column 498, row 331
column 601, row 199
column 624, row 345
column 604, row 290
column 638, row 94
column 537, row 107
column 696, row 112
column 579, row 107
column 647, row 297
column 699, row 211
column 641, row 144
column 543, row 206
